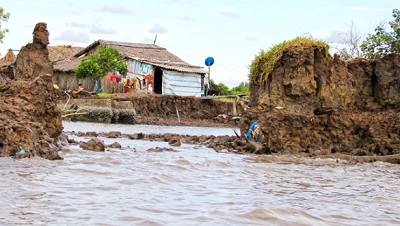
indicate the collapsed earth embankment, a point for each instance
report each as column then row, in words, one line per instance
column 310, row 102
column 153, row 109
column 30, row 122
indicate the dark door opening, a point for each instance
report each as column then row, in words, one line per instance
column 158, row 81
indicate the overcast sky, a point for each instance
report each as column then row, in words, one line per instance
column 230, row 31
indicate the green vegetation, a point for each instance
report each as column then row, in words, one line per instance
column 242, row 88
column 224, row 88
column 226, row 99
column 383, row 42
column 105, row 94
column 264, row 62
column 3, row 17
column 97, row 66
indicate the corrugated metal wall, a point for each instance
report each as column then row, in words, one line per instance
column 182, row 84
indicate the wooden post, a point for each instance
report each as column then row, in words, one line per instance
column 177, row 113
column 234, row 106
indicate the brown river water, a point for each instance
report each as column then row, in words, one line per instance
column 193, row 186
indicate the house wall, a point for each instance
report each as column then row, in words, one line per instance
column 137, row 68
column 174, row 83
column 139, row 71
column 67, row 80
column 111, row 87
column 182, row 84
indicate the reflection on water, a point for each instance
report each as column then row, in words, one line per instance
column 147, row 129
column 194, row 186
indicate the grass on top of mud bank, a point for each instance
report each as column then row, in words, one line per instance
column 264, row 62
column 106, row 94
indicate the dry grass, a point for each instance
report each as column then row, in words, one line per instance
column 9, row 58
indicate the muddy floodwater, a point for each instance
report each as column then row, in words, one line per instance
column 193, row 186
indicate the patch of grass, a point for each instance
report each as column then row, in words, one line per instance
column 264, row 62
column 105, row 94
column 226, row 99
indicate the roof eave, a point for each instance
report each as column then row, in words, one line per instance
column 88, row 48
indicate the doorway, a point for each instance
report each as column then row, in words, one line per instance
column 158, row 74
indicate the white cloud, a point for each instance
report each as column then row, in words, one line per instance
column 369, row 9
column 37, row 2
column 231, row 82
column 116, row 9
column 78, row 25
column 174, row 1
column 334, row 37
column 327, row 36
column 251, row 39
column 92, row 28
column 96, row 29
column 186, row 18
column 229, row 11
column 180, row 2
column 157, row 29
column 70, row 36
column 148, row 40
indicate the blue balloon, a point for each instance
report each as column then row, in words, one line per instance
column 209, row 61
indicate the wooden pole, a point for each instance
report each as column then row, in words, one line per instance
column 177, row 113
column 234, row 107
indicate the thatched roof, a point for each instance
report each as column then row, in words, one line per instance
column 8, row 59
column 67, row 65
column 63, row 57
column 58, row 53
column 146, row 53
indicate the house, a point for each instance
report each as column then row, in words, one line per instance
column 151, row 68
column 56, row 54
column 62, row 52
column 64, row 65
column 7, row 68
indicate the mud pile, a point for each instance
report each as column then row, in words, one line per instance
column 33, row 59
column 317, row 104
column 29, row 117
column 222, row 144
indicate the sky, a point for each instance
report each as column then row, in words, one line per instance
column 232, row 32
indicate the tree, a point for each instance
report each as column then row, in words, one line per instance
column 351, row 41
column 224, row 88
column 242, row 88
column 383, row 42
column 97, row 66
column 3, row 17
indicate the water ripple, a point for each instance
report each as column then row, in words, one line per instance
column 195, row 186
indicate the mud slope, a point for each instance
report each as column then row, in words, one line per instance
column 29, row 117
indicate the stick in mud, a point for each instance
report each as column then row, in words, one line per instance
column 257, row 147
column 240, row 136
column 177, row 113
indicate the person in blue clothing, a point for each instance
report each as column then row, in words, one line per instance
column 254, row 132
